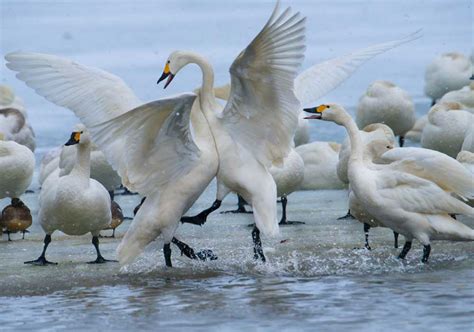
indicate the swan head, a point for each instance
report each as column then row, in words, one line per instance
column 328, row 112
column 79, row 136
column 376, row 148
column 175, row 62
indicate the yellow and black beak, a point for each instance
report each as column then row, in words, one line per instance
column 75, row 138
column 166, row 73
column 317, row 111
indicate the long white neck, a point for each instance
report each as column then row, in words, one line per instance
column 207, row 97
column 357, row 145
column 82, row 166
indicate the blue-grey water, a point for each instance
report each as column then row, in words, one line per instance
column 315, row 280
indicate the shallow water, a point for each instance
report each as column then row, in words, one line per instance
column 316, row 278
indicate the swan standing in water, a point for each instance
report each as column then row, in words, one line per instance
column 410, row 205
column 386, row 103
column 256, row 127
column 447, row 72
column 74, row 204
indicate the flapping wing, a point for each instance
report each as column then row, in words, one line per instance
column 418, row 195
column 262, row 111
column 92, row 94
column 150, row 145
column 318, row 80
column 432, row 165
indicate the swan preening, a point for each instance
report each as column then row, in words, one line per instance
column 448, row 72
column 384, row 102
column 412, row 196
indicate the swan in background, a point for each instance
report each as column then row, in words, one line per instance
column 464, row 96
column 410, row 205
column 466, row 158
column 15, row 127
column 49, row 163
column 447, row 72
column 320, row 164
column 446, row 128
column 374, row 131
column 415, row 133
column 384, row 102
column 8, row 99
column 74, row 204
column 288, row 178
column 17, row 164
column 302, row 131
column 468, row 143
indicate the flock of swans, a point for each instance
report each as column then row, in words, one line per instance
column 256, row 146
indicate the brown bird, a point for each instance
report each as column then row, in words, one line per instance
column 16, row 217
column 117, row 218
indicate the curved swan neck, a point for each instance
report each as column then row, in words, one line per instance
column 82, row 166
column 207, row 87
column 357, row 145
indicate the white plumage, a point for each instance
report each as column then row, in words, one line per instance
column 446, row 128
column 447, row 72
column 463, row 96
column 412, row 206
column 320, row 166
column 386, row 103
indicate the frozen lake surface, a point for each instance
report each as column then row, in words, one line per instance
column 315, row 280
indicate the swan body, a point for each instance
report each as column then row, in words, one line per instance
column 320, row 166
column 412, row 206
column 17, row 164
column 468, row 143
column 372, row 132
column 289, row 177
column 446, row 128
column 49, row 163
column 384, row 102
column 464, row 96
column 64, row 199
column 415, row 133
column 447, row 72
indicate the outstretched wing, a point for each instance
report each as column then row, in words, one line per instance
column 150, row 145
column 432, row 165
column 262, row 111
column 318, row 80
column 93, row 94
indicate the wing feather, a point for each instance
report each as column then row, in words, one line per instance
column 93, row 94
column 262, row 111
column 318, row 80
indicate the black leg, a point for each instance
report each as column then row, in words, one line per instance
column 433, row 102
column 23, row 237
column 426, row 253
column 240, row 206
column 201, row 218
column 395, row 235
column 167, row 253
column 99, row 259
column 347, row 216
column 189, row 252
column 113, row 234
column 405, row 250
column 112, row 195
column 135, row 210
column 42, row 259
column 401, row 140
column 284, row 221
column 257, row 245
column 366, row 232
column 8, row 234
